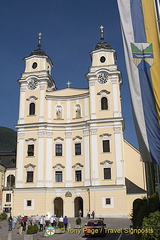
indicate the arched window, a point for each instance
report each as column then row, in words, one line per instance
column 32, row 108
column 11, row 181
column 104, row 103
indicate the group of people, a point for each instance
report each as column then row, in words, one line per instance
column 90, row 215
column 42, row 222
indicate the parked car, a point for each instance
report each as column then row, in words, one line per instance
column 94, row 227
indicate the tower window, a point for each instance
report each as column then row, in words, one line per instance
column 78, row 175
column 107, row 173
column 30, row 150
column 77, row 148
column 58, row 149
column 106, row 146
column 29, row 176
column 104, row 103
column 102, row 59
column 34, row 65
column 32, row 109
column 58, row 176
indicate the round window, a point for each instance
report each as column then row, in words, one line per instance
column 34, row 65
column 102, row 59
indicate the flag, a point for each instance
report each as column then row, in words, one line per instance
column 142, row 54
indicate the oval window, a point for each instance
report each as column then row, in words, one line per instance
column 34, row 65
column 102, row 59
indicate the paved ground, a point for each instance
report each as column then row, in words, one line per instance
column 121, row 227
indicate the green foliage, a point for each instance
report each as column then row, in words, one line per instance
column 7, row 138
column 142, row 208
column 151, row 225
column 3, row 216
column 78, row 221
column 32, row 229
column 60, row 225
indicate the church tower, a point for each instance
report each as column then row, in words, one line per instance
column 105, row 109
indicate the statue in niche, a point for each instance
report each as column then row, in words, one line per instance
column 78, row 111
column 59, row 113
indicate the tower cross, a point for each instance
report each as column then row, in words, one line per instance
column 39, row 39
column 68, row 84
column 102, row 33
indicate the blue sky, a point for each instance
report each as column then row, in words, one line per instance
column 70, row 31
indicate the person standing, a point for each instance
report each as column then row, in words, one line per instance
column 24, row 221
column 80, row 213
column 10, row 223
column 93, row 214
column 14, row 223
column 42, row 223
column 65, row 221
column 89, row 214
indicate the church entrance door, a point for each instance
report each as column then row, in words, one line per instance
column 58, row 207
column 78, row 205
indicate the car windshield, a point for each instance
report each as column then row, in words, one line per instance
column 95, row 223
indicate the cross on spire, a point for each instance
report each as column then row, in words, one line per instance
column 68, row 83
column 39, row 39
column 102, row 33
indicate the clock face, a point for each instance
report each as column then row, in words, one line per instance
column 32, row 84
column 102, row 78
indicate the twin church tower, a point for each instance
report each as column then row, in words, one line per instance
column 71, row 153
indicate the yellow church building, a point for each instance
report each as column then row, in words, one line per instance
column 71, row 153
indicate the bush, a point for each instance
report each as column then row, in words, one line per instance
column 151, row 226
column 60, row 225
column 3, row 216
column 32, row 229
column 78, row 221
column 142, row 208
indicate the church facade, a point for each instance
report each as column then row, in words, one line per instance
column 71, row 153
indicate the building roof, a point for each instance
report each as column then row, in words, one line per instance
column 68, row 93
column 8, row 158
column 102, row 45
column 132, row 188
column 38, row 52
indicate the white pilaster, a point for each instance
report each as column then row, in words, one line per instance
column 86, row 158
column 40, row 177
column 20, row 157
column 68, row 159
column 86, row 108
column 68, row 112
column 115, row 98
column 49, row 156
column 22, row 105
column 49, row 110
column 92, row 99
column 42, row 99
column 94, row 156
column 119, row 155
